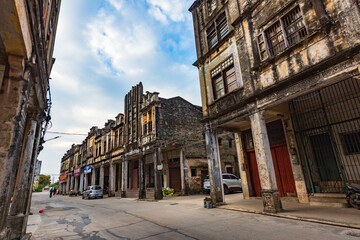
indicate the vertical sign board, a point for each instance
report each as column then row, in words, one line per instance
column 77, row 172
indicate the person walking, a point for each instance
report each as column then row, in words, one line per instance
column 51, row 192
column 54, row 191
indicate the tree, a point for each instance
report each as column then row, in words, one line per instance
column 44, row 180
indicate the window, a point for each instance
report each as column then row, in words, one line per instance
column 211, row 6
column 351, row 143
column 284, row 33
column 217, row 31
column 230, row 143
column 224, row 78
column 193, row 172
column 116, row 139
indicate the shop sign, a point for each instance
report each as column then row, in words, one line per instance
column 76, row 172
column 62, row 178
column 87, row 169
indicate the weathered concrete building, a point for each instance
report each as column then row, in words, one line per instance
column 157, row 143
column 27, row 35
column 283, row 76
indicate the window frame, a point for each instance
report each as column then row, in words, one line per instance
column 284, row 33
column 215, row 28
column 221, row 72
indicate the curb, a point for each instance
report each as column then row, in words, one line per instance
column 304, row 219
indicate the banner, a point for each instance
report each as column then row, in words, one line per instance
column 62, row 178
column 76, row 172
column 87, row 169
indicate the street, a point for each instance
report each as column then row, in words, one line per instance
column 173, row 218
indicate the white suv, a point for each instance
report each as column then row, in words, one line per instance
column 230, row 182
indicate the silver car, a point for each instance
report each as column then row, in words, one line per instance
column 93, row 192
column 230, row 182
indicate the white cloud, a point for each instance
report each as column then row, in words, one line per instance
column 117, row 4
column 175, row 10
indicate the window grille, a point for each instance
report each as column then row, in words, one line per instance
column 285, row 32
column 294, row 26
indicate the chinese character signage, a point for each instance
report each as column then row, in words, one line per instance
column 76, row 172
column 63, row 178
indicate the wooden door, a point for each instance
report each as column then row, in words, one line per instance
column 175, row 178
column 283, row 170
column 254, row 173
column 135, row 178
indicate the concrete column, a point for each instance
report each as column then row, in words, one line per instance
column 299, row 178
column 86, row 184
column 124, row 176
column 157, row 175
column 270, row 193
column 184, row 173
column 214, row 166
column 244, row 172
column 142, row 190
column 111, row 180
column 72, row 181
column 119, row 178
column 17, row 216
column 81, row 189
column 67, row 183
column 93, row 175
column 14, row 101
column 76, row 184
column 102, row 176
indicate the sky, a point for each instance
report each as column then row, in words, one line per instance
column 102, row 49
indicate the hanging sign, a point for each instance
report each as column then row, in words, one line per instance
column 87, row 169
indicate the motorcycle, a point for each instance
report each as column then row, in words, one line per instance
column 353, row 195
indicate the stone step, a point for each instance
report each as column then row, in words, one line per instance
column 329, row 195
column 329, row 200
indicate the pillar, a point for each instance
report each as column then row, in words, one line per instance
column 270, row 193
column 124, row 177
column 142, row 190
column 72, row 182
column 81, row 188
column 76, row 184
column 111, row 180
column 299, row 178
column 17, row 215
column 157, row 175
column 244, row 172
column 101, row 177
column 86, row 183
column 214, row 166
column 93, row 175
column 13, row 108
column 67, row 183
column 184, row 173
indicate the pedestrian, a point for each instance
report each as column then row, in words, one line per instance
column 55, row 191
column 51, row 192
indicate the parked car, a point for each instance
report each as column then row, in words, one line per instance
column 230, row 182
column 93, row 192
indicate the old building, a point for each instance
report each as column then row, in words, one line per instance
column 283, row 76
column 27, row 35
column 157, row 143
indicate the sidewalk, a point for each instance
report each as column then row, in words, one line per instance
column 342, row 217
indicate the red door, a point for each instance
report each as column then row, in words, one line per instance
column 283, row 170
column 254, row 173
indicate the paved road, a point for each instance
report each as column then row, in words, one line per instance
column 176, row 218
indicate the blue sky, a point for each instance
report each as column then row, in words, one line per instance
column 103, row 47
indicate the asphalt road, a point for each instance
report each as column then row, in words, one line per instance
column 175, row 218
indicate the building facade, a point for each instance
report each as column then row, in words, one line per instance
column 283, row 77
column 157, row 143
column 27, row 35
